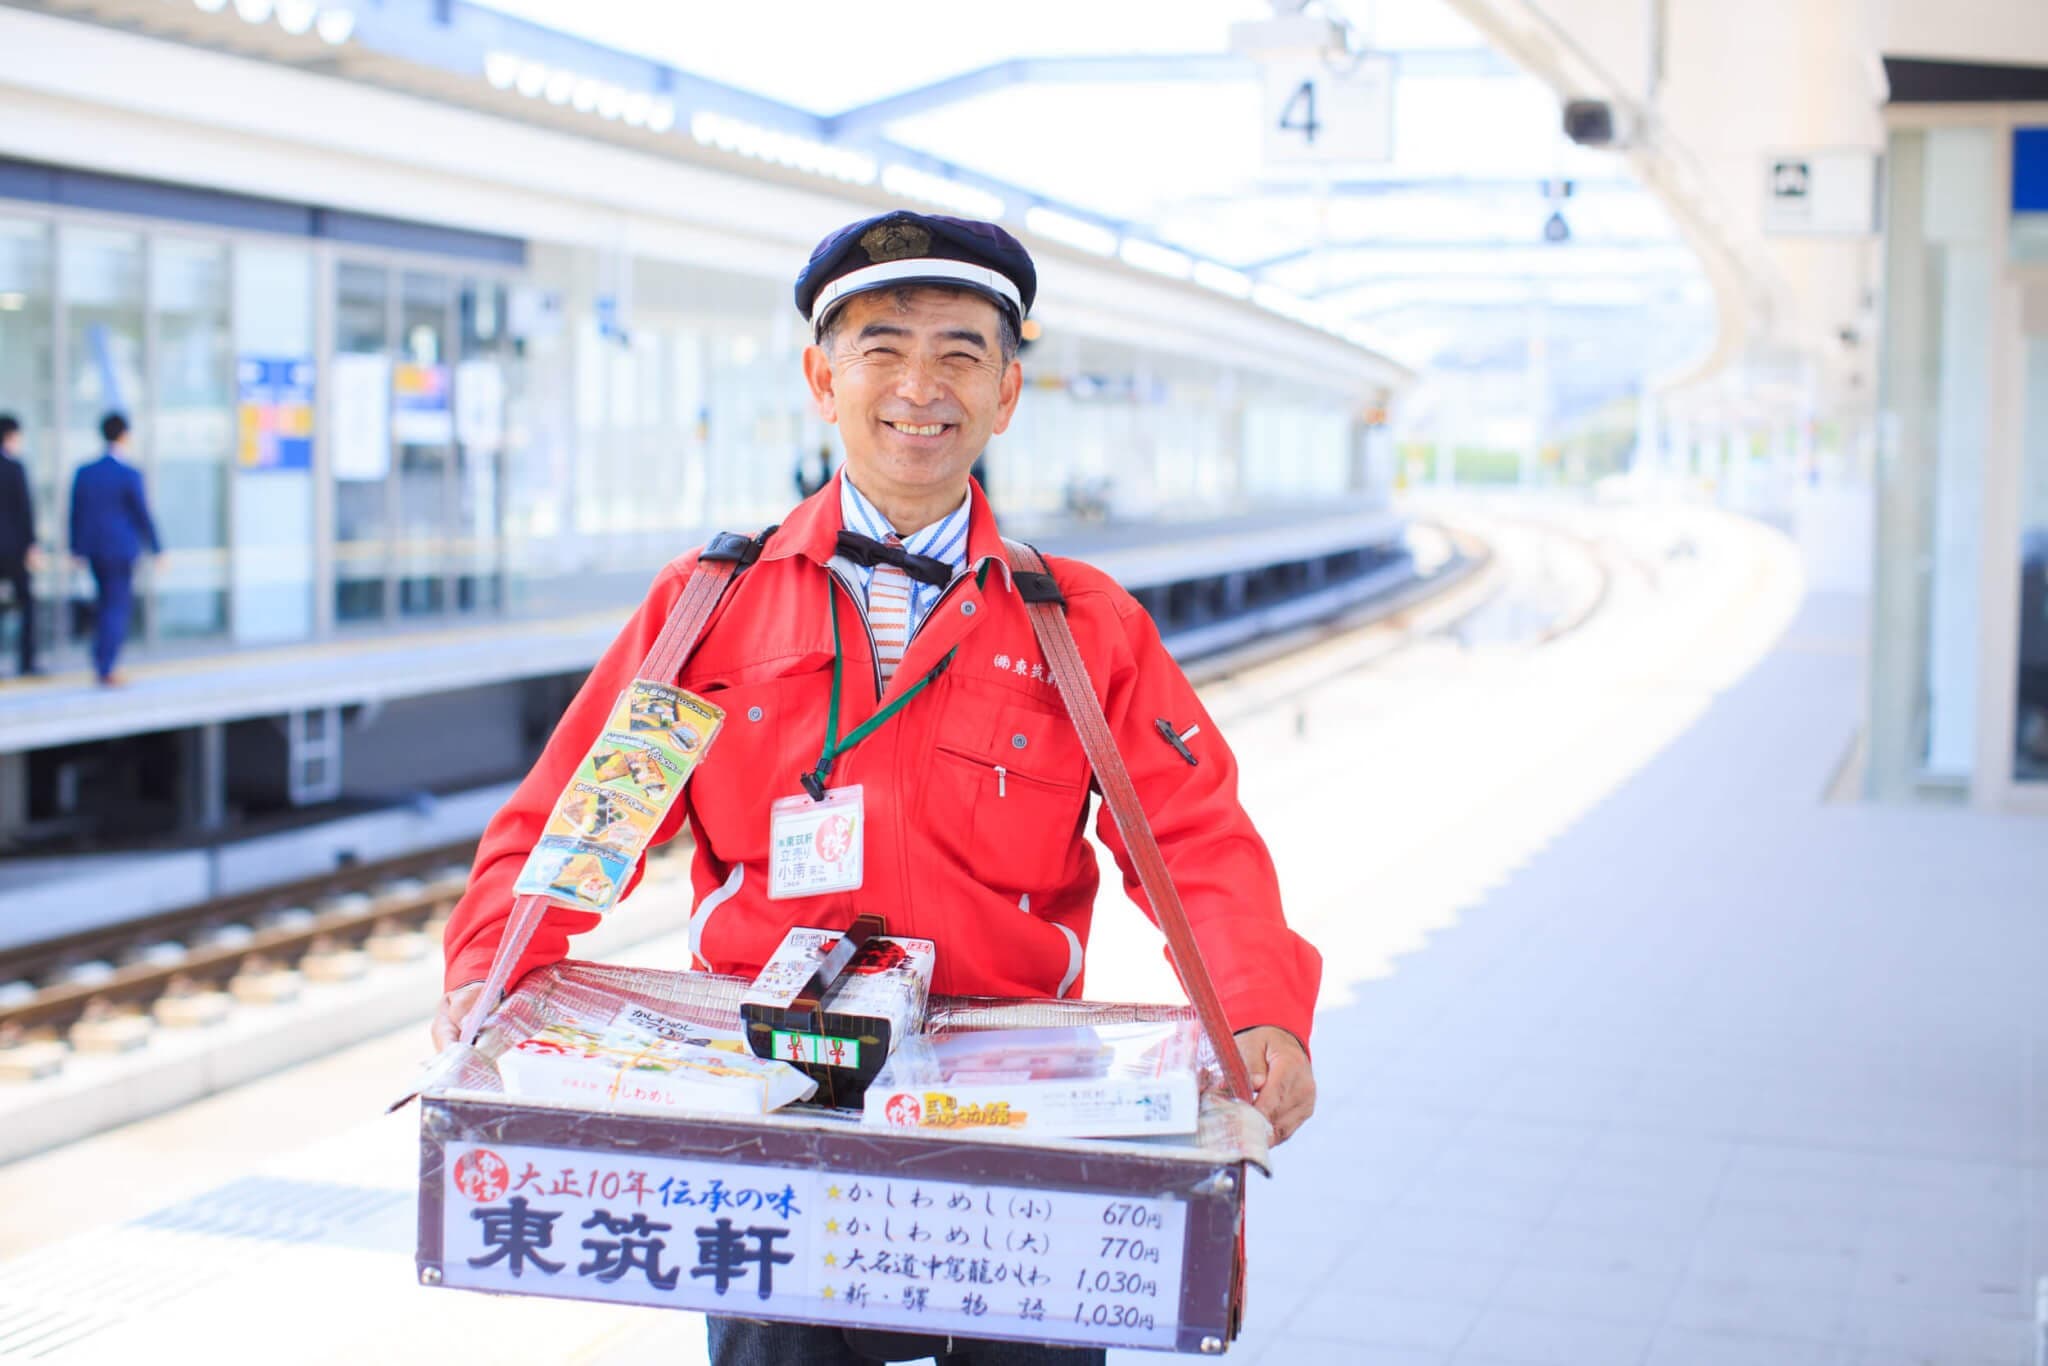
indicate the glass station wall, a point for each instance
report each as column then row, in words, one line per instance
column 339, row 438
column 97, row 316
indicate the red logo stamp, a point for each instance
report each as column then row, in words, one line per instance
column 903, row 1111
column 834, row 839
column 481, row 1175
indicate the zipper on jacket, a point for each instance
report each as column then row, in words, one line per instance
column 1002, row 781
column 874, row 651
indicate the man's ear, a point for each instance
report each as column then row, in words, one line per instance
column 818, row 375
column 1011, row 389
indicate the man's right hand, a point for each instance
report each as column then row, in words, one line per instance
column 455, row 1008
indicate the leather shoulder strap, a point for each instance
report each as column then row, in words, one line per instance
column 717, row 566
column 1047, row 608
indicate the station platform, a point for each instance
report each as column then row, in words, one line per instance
column 228, row 685
column 1635, row 1047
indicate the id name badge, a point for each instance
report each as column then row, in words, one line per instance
column 815, row 847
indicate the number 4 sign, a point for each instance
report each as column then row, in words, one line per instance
column 1316, row 112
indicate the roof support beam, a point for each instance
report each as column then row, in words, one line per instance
column 1382, row 245
column 1122, row 69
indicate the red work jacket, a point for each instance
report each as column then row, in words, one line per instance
column 976, row 792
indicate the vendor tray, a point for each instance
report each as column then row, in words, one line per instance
column 810, row 1216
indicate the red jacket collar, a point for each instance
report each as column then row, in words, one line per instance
column 812, row 529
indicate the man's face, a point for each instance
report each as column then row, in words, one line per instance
column 10, row 445
column 917, row 387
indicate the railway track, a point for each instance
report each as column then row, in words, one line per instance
column 47, row 986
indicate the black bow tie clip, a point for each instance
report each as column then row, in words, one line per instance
column 867, row 552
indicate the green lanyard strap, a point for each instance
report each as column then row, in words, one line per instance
column 814, row 781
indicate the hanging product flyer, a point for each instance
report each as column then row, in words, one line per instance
column 618, row 796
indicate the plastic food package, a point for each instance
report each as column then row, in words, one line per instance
column 662, row 1067
column 1080, row 1081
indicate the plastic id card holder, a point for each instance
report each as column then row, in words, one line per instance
column 815, row 847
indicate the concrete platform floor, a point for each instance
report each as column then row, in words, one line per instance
column 1632, row 1049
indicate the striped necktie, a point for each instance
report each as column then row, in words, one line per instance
column 889, row 613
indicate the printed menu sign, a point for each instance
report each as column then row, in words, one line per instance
column 739, row 1238
column 619, row 795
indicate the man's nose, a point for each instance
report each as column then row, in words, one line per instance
column 918, row 382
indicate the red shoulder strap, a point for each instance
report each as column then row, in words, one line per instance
column 1063, row 660
column 718, row 565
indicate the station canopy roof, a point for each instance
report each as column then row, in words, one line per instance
column 1137, row 117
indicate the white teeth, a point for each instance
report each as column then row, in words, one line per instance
column 932, row 430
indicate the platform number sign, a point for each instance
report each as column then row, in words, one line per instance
column 1298, row 115
column 1316, row 111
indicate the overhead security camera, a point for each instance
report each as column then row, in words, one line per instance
column 1590, row 123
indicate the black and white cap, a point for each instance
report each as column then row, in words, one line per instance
column 905, row 248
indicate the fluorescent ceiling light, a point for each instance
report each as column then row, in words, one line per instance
column 661, row 115
column 583, row 99
column 1075, row 232
column 533, row 78
column 210, row 6
column 786, row 149
column 335, row 26
column 637, row 105
column 253, row 11
column 561, row 84
column 1155, row 258
column 912, row 183
column 296, row 16
column 501, row 69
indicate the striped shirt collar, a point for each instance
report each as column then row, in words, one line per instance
column 945, row 539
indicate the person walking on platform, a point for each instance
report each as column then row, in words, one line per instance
column 110, row 530
column 885, row 620
column 812, row 475
column 20, row 556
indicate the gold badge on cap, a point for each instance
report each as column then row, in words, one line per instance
column 895, row 240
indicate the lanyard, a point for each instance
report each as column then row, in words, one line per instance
column 835, row 744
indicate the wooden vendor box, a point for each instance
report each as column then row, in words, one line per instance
column 810, row 1215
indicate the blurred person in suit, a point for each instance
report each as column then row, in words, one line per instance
column 19, row 553
column 110, row 530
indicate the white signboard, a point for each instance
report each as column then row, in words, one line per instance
column 359, row 416
column 744, row 1239
column 1828, row 193
column 1315, row 113
column 480, row 406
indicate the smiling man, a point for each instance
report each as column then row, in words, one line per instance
column 878, row 656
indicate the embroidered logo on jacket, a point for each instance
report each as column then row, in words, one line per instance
column 1022, row 668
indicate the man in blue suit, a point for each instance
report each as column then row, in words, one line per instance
column 110, row 530
column 20, row 556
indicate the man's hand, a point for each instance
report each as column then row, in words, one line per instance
column 455, row 1008
column 1282, row 1081
column 36, row 559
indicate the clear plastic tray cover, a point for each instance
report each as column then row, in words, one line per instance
column 594, row 993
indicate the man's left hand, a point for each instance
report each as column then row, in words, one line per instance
column 1282, row 1081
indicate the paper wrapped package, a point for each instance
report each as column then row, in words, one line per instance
column 1081, row 1081
column 649, row 1070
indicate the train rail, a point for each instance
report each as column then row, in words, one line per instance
column 51, row 984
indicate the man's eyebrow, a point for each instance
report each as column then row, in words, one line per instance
column 965, row 334
column 882, row 330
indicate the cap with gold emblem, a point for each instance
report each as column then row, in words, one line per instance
column 905, row 248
